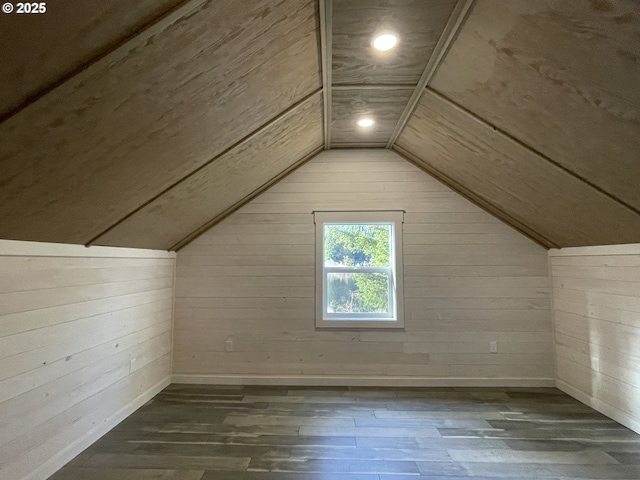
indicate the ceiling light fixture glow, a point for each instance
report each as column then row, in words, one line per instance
column 385, row 42
column 365, row 122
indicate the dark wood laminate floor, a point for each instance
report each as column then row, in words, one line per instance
column 195, row 432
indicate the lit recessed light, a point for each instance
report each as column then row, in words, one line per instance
column 365, row 122
column 385, row 42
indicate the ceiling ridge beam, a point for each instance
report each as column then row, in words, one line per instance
column 528, row 147
column 359, row 145
column 240, row 142
column 373, row 86
column 477, row 200
column 236, row 206
column 112, row 54
column 448, row 36
column 326, row 32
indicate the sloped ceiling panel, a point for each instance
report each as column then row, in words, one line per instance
column 111, row 139
column 385, row 105
column 367, row 81
column 563, row 210
column 41, row 50
column 193, row 204
column 562, row 77
column 418, row 24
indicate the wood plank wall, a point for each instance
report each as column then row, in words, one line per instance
column 469, row 279
column 597, row 328
column 85, row 339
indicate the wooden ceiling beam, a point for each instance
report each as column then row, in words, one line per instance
column 326, row 32
column 359, row 145
column 456, row 20
column 366, row 86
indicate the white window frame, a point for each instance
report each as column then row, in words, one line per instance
column 396, row 294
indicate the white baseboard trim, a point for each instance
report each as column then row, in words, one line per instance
column 361, row 381
column 602, row 407
column 63, row 457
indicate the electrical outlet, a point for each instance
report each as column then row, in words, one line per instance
column 228, row 345
column 493, row 347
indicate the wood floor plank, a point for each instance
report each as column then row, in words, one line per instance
column 390, row 454
column 191, row 462
column 316, row 409
column 548, row 445
column 371, row 431
column 126, row 474
column 539, row 470
column 479, row 444
column 334, row 466
column 282, row 440
column 455, row 477
column 420, row 422
column 291, row 420
column 555, row 417
column 540, row 434
column 288, row 476
column 435, row 416
column 207, row 432
column 627, row 458
column 559, row 425
column 241, row 431
column 112, row 447
column 387, row 442
column 137, row 437
column 587, row 457
column 299, row 399
column 211, row 450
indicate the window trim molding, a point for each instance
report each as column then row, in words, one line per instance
column 363, row 217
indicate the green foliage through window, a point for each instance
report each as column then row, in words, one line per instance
column 358, row 245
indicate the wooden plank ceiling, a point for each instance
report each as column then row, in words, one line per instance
column 536, row 111
column 167, row 115
column 366, row 82
column 40, row 51
column 111, row 140
column 202, row 198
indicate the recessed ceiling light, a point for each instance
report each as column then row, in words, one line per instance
column 385, row 42
column 365, row 122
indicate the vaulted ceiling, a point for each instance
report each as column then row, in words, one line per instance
column 144, row 123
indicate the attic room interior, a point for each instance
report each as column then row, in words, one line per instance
column 320, row 240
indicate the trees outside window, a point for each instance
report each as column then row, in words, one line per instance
column 358, row 277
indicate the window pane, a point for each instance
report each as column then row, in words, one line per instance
column 357, row 293
column 357, row 245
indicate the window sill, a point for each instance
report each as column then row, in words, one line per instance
column 359, row 324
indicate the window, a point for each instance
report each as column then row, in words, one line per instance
column 359, row 269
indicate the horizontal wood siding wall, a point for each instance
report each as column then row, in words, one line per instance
column 469, row 280
column 85, row 339
column 597, row 328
